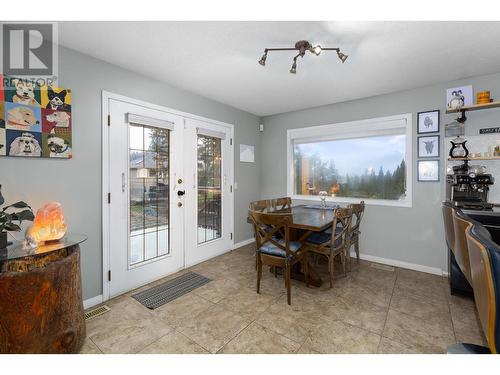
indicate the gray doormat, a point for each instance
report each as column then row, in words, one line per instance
column 170, row 290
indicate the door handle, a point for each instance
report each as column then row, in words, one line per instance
column 123, row 182
column 180, row 193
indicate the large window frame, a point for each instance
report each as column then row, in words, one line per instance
column 391, row 125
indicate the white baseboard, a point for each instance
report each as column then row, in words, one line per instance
column 88, row 303
column 401, row 264
column 243, row 243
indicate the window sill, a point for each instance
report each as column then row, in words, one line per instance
column 371, row 202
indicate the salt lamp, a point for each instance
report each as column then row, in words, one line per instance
column 48, row 225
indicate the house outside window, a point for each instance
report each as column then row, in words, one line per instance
column 366, row 160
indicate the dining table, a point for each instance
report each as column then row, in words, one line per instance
column 307, row 219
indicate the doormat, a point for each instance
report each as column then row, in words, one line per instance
column 168, row 291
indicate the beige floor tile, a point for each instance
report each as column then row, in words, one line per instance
column 424, row 285
column 215, row 327
column 295, row 321
column 89, row 347
column 174, row 343
column 360, row 314
column 393, row 347
column 340, row 337
column 306, row 349
column 365, row 293
column 127, row 328
column 182, row 310
column 256, row 339
column 425, row 336
column 248, row 303
column 218, row 289
column 432, row 310
column 347, row 318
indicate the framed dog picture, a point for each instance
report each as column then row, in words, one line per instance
column 428, row 170
column 428, row 146
column 428, row 122
column 35, row 121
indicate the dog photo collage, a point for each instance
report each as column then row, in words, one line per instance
column 35, row 121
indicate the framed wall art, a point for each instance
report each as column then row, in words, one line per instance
column 35, row 121
column 428, row 170
column 428, row 146
column 428, row 122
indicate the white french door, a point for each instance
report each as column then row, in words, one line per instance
column 170, row 193
column 208, row 230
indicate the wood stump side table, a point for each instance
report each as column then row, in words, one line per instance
column 41, row 306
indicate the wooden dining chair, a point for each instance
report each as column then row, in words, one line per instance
column 261, row 205
column 276, row 252
column 333, row 244
column 358, row 210
column 280, row 204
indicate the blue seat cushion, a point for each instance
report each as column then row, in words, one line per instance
column 271, row 249
column 319, row 238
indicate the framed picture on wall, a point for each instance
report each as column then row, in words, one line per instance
column 428, row 170
column 428, row 122
column 428, row 146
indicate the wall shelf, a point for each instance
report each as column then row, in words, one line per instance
column 476, row 158
column 475, row 107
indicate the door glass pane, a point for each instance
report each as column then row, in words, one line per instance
column 209, row 188
column 149, row 193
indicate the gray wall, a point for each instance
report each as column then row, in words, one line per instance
column 413, row 235
column 76, row 183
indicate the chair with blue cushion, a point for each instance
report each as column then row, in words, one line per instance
column 337, row 243
column 484, row 260
column 273, row 250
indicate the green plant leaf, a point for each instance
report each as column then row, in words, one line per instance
column 12, row 227
column 19, row 204
column 23, row 215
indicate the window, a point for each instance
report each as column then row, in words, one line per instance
column 362, row 160
column 209, row 188
column 149, row 193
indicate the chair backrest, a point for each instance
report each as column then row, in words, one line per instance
column 269, row 227
column 460, row 224
column 279, row 204
column 448, row 226
column 341, row 227
column 261, row 205
column 484, row 257
column 358, row 210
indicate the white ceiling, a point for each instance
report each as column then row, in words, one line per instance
column 219, row 59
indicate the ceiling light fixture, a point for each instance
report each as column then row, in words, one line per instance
column 302, row 46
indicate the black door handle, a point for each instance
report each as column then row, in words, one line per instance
column 180, row 193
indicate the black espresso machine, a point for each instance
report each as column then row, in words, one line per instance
column 468, row 187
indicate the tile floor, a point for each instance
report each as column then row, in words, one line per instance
column 372, row 310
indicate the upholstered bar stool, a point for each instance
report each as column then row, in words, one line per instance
column 484, row 256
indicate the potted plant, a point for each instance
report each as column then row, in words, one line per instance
column 10, row 214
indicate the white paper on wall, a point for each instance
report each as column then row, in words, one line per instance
column 247, row 153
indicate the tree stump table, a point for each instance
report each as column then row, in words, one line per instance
column 41, row 306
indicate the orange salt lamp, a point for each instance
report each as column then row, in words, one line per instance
column 48, row 225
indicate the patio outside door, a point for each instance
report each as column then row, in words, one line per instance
column 207, row 154
column 171, row 193
column 146, row 213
